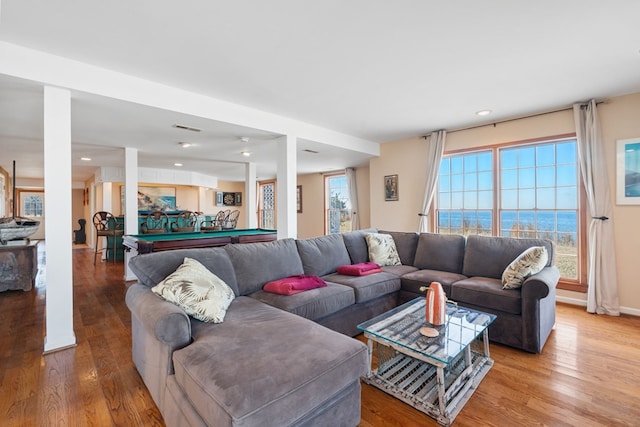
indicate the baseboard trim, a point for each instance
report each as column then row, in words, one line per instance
column 574, row 301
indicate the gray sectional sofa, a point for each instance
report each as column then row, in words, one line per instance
column 290, row 360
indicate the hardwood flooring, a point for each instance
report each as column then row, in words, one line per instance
column 587, row 375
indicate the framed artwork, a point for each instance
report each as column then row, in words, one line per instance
column 151, row 198
column 238, row 199
column 390, row 188
column 299, row 198
column 219, row 198
column 628, row 171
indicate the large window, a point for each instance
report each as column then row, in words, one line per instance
column 338, row 217
column 517, row 190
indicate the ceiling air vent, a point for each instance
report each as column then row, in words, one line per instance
column 310, row 151
column 183, row 127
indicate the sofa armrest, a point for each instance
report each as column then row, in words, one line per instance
column 166, row 322
column 539, row 285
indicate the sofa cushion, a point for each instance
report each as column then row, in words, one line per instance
column 151, row 269
column 382, row 249
column 406, row 244
column 357, row 245
column 368, row 287
column 399, row 270
column 264, row 380
column 529, row 262
column 258, row 263
column 199, row 292
column 500, row 251
column 312, row 304
column 443, row 252
column 323, row 255
column 413, row 281
column 487, row 292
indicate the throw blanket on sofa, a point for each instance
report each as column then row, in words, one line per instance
column 360, row 269
column 294, row 284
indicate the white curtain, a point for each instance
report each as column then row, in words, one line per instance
column 435, row 149
column 602, row 295
column 353, row 197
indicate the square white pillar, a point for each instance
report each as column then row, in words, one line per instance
column 286, row 187
column 58, row 232
column 250, row 199
column 130, row 203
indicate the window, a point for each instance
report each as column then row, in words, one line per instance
column 338, row 217
column 267, row 208
column 516, row 190
column 32, row 204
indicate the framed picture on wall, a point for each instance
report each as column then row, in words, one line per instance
column 628, row 171
column 391, row 188
column 238, row 199
column 219, row 198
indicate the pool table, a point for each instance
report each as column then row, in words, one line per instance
column 146, row 243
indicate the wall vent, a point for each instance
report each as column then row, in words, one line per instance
column 183, row 127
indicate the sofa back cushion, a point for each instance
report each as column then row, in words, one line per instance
column 357, row 245
column 258, row 263
column 151, row 269
column 489, row 256
column 406, row 244
column 323, row 255
column 443, row 252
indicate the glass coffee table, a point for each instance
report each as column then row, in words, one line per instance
column 434, row 375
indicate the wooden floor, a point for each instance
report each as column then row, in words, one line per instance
column 588, row 374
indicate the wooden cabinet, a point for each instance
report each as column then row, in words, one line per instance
column 18, row 266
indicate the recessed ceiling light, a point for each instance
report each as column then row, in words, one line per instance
column 85, row 159
column 246, row 153
column 244, row 139
column 177, row 164
column 483, row 112
column 185, row 144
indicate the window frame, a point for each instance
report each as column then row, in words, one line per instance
column 327, row 197
column 580, row 283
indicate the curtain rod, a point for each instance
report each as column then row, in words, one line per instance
column 557, row 110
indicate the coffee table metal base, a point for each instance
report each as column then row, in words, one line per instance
column 439, row 391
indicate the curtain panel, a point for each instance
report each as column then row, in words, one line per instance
column 435, row 150
column 602, row 295
column 353, row 197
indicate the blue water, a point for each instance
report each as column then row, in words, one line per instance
column 543, row 221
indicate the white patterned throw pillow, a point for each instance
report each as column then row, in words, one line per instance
column 199, row 292
column 529, row 262
column 382, row 249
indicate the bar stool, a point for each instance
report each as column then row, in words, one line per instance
column 106, row 226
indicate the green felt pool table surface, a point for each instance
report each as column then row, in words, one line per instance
column 145, row 243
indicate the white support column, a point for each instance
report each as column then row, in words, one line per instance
column 250, row 200
column 202, row 199
column 130, row 203
column 286, row 188
column 58, row 232
column 107, row 194
column 107, row 203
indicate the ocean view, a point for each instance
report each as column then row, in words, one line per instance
column 545, row 221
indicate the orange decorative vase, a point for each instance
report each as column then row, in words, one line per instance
column 436, row 304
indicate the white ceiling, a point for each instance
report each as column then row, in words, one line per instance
column 374, row 69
